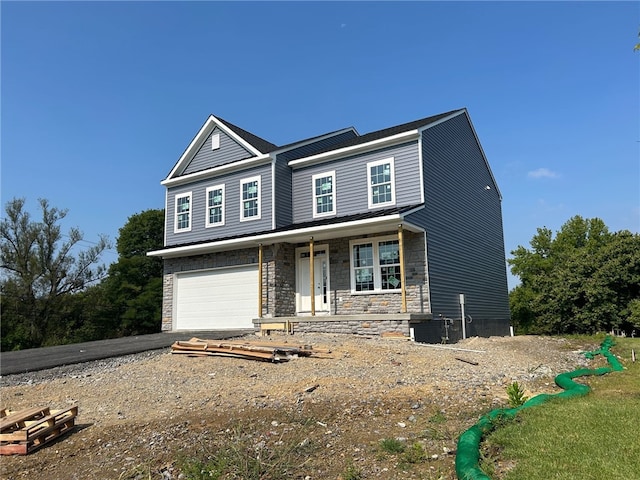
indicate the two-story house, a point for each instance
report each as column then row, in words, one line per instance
column 390, row 231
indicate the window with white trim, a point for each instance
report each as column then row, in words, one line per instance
column 324, row 197
column 375, row 265
column 250, row 199
column 381, row 183
column 183, row 213
column 215, row 206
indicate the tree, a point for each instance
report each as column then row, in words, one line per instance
column 134, row 285
column 40, row 273
column 582, row 281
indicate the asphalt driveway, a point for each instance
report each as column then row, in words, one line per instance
column 34, row 359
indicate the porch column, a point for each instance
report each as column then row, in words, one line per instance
column 312, row 275
column 403, row 290
column 259, row 280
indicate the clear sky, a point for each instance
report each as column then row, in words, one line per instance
column 100, row 99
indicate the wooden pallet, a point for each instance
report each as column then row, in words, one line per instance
column 23, row 431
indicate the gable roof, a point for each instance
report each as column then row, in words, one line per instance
column 386, row 132
column 261, row 148
column 258, row 143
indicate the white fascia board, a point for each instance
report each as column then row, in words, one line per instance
column 206, row 129
column 191, row 150
column 215, row 171
column 442, row 120
column 237, row 138
column 371, row 225
column 354, row 149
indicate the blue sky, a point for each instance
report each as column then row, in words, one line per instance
column 99, row 99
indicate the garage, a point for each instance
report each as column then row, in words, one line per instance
column 225, row 298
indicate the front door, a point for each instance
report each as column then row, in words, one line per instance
column 320, row 280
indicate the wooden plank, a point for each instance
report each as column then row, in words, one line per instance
column 190, row 345
column 235, row 354
column 273, row 326
column 13, row 449
column 14, row 419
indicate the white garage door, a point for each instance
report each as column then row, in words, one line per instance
column 225, row 298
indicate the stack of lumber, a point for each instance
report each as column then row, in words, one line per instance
column 267, row 352
column 24, row 431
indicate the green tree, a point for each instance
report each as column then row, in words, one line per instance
column 134, row 285
column 583, row 280
column 40, row 274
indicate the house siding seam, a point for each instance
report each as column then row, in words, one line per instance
column 351, row 181
column 463, row 222
column 205, row 158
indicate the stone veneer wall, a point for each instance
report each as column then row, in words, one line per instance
column 281, row 281
column 352, row 327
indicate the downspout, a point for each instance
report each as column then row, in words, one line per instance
column 312, row 276
column 403, row 290
column 259, row 280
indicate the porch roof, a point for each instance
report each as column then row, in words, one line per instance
column 323, row 229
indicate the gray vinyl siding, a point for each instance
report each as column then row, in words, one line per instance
column 283, row 201
column 233, row 225
column 463, row 221
column 351, row 181
column 229, row 151
column 315, row 147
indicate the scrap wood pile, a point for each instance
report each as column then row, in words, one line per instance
column 267, row 352
column 24, row 431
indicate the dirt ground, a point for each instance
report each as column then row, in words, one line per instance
column 154, row 415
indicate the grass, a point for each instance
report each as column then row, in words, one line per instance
column 241, row 454
column 594, row 437
column 392, row 445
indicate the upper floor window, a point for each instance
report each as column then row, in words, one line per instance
column 324, row 198
column 215, row 206
column 250, row 198
column 375, row 265
column 183, row 212
column 381, row 183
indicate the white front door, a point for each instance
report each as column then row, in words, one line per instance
column 320, row 280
